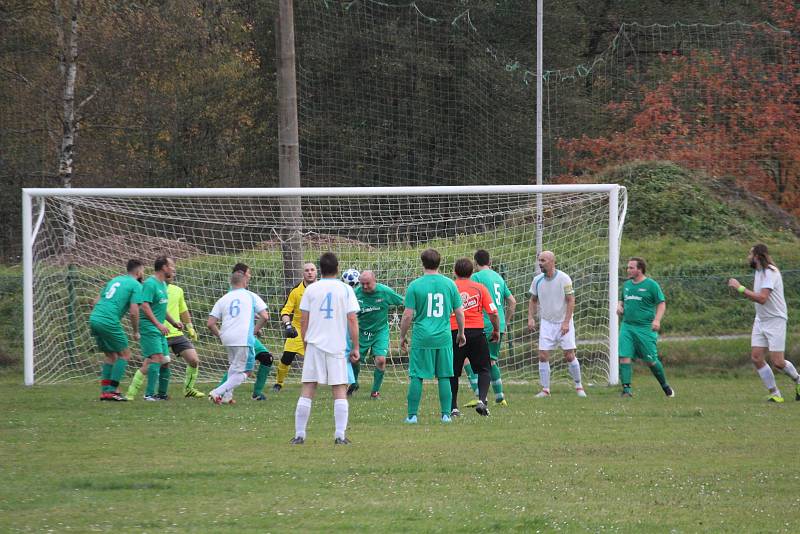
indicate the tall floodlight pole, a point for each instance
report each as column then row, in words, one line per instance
column 288, row 146
column 539, row 75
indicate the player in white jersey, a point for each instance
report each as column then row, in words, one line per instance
column 237, row 311
column 329, row 311
column 769, row 327
column 553, row 297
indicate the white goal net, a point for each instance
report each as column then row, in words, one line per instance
column 76, row 240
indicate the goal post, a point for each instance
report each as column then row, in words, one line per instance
column 383, row 229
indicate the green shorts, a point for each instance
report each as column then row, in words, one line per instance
column 429, row 363
column 494, row 348
column 110, row 337
column 153, row 344
column 638, row 343
column 375, row 343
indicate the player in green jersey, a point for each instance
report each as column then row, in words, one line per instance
column 642, row 307
column 430, row 300
column 155, row 350
column 119, row 296
column 373, row 327
column 506, row 304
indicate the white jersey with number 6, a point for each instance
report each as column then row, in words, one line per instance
column 237, row 310
column 327, row 303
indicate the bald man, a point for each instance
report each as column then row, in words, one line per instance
column 373, row 326
column 553, row 299
column 290, row 317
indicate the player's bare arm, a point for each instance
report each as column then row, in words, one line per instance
column 212, row 325
column 405, row 324
column 352, row 326
column 568, row 316
column 533, row 306
column 494, row 318
column 461, row 339
column 761, row 297
column 263, row 317
column 148, row 313
column 660, row 309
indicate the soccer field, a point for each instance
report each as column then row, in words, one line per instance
column 715, row 458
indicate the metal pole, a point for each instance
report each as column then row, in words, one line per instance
column 613, row 287
column 539, row 181
column 27, row 285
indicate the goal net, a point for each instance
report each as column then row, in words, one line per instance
column 207, row 231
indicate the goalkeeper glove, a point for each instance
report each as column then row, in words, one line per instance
column 192, row 332
column 289, row 330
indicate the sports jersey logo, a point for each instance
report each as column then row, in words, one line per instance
column 470, row 301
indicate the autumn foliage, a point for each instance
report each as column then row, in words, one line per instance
column 734, row 113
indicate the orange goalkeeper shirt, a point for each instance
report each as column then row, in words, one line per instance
column 476, row 299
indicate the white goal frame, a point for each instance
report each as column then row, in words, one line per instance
column 31, row 228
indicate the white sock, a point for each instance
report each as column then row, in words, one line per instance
column 544, row 375
column 341, row 411
column 227, row 387
column 769, row 379
column 301, row 415
column 575, row 372
column 791, row 371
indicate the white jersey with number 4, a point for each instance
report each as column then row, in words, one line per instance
column 327, row 303
column 237, row 311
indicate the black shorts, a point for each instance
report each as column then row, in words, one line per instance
column 178, row 344
column 476, row 349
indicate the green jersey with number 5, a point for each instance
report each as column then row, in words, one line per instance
column 433, row 297
column 498, row 290
column 116, row 299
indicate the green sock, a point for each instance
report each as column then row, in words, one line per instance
column 625, row 375
column 497, row 383
column 377, row 380
column 105, row 378
column 163, row 379
column 136, row 384
column 473, row 378
column 414, row 395
column 445, row 396
column 224, row 378
column 191, row 378
column 153, row 371
column 658, row 372
column 117, row 372
column 356, row 370
column 261, row 379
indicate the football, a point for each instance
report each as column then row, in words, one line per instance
column 350, row 277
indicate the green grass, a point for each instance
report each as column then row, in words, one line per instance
column 715, row 458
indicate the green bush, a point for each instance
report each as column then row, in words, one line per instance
column 666, row 199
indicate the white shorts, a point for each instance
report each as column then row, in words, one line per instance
column 550, row 337
column 770, row 333
column 323, row 367
column 239, row 359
